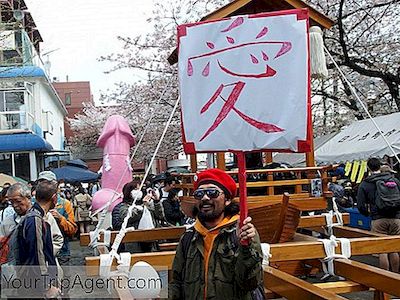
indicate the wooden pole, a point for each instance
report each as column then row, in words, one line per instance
column 193, row 163
column 221, row 160
column 310, row 158
column 268, row 157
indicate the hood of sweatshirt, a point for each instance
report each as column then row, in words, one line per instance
column 379, row 176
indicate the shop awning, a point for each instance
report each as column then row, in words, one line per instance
column 23, row 142
column 26, row 71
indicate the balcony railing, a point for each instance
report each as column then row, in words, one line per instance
column 16, row 120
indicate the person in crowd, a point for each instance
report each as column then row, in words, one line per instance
column 64, row 214
column 20, row 199
column 172, row 209
column 169, row 185
column 3, row 199
column 82, row 203
column 68, row 195
column 35, row 246
column 383, row 221
column 132, row 195
column 341, row 196
column 216, row 259
column 30, row 184
column 387, row 169
column 96, row 187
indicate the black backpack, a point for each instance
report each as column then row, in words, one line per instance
column 387, row 195
column 256, row 294
column 9, row 246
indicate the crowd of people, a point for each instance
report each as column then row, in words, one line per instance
column 215, row 258
column 36, row 225
column 156, row 204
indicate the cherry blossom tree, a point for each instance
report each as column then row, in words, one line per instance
column 364, row 41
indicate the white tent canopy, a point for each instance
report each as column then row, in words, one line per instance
column 361, row 140
column 299, row 159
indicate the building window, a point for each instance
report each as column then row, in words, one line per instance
column 15, row 164
column 67, row 98
column 6, row 163
column 22, row 166
column 13, row 111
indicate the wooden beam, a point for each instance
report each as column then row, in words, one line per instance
column 374, row 277
column 163, row 233
column 351, row 232
column 268, row 157
column 337, row 287
column 342, row 287
column 221, row 161
column 253, row 184
column 289, row 251
column 193, row 163
column 292, row 287
column 312, row 250
column 168, row 246
column 162, row 259
column 319, row 220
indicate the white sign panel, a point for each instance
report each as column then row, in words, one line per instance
column 244, row 83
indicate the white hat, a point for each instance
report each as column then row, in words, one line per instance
column 47, row 175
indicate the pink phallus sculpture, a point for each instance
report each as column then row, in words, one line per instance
column 116, row 139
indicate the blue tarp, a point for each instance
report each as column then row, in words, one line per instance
column 23, row 142
column 77, row 163
column 75, row 174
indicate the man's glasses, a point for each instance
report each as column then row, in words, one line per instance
column 211, row 193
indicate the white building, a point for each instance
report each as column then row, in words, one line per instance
column 31, row 113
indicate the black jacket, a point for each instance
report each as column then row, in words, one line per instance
column 366, row 198
column 172, row 212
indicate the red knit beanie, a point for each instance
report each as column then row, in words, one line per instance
column 217, row 177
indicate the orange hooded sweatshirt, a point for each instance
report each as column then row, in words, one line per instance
column 209, row 236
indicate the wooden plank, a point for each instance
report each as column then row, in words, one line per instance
column 162, row 259
column 315, row 221
column 267, row 171
column 289, row 251
column 163, row 233
column 168, row 246
column 342, row 287
column 312, row 250
column 337, row 287
column 292, row 287
column 298, row 237
column 277, row 183
column 351, row 232
column 374, row 277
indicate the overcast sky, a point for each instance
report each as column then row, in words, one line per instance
column 82, row 31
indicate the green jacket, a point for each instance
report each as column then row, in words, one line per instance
column 233, row 271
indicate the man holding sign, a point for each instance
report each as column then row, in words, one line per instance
column 211, row 261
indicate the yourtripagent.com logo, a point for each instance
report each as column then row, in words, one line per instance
column 141, row 281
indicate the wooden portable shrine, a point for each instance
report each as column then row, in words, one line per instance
column 301, row 255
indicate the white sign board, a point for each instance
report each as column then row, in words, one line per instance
column 245, row 83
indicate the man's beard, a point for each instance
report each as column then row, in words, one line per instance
column 206, row 216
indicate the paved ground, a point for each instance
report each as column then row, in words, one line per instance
column 79, row 253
